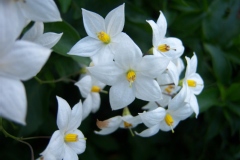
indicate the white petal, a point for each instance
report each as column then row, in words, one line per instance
column 152, row 66
column 134, row 121
column 107, row 73
column 165, row 127
column 103, row 56
column 194, row 104
column 75, row 118
column 112, row 125
column 48, row 39
column 164, row 79
column 79, row 146
column 121, row 94
column 86, row 47
column 180, row 65
column 157, row 33
column 85, row 85
column 12, row 23
column 93, row 23
column 173, row 72
column 63, row 115
column 153, row 117
column 13, row 103
column 107, row 131
column 115, row 20
column 199, row 87
column 176, row 47
column 69, row 153
column 150, row 106
column 87, row 106
column 42, row 11
column 162, row 24
column 191, row 65
column 96, row 101
column 182, row 112
column 24, row 60
column 34, row 32
column 178, row 100
column 147, row 89
column 149, row 132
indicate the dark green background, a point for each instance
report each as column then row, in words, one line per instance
column 210, row 28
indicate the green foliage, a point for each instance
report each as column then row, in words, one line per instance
column 210, row 28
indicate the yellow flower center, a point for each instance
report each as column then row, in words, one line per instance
column 131, row 76
column 95, row 89
column 127, row 125
column 104, row 37
column 191, row 83
column 71, row 137
column 169, row 89
column 169, row 120
column 163, row 48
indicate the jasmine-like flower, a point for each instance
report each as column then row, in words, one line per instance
column 130, row 75
column 110, row 125
column 15, row 14
column 166, row 119
column 20, row 60
column 103, row 35
column 170, row 47
column 193, row 82
column 68, row 141
column 35, row 34
column 90, row 88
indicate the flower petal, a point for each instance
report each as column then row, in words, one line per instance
column 121, row 94
column 69, row 153
column 85, row 85
column 42, row 11
column 162, row 24
column 107, row 73
column 153, row 117
column 115, row 20
column 13, row 103
column 87, row 106
column 48, row 39
column 173, row 72
column 157, row 35
column 150, row 106
column 194, row 104
column 34, row 32
column 191, row 65
column 164, row 127
column 176, row 47
column 199, row 86
column 24, row 60
column 79, row 146
column 149, row 132
column 103, row 56
column 134, row 121
column 93, row 23
column 147, row 89
column 75, row 118
column 96, row 101
column 63, row 115
column 108, row 126
column 86, row 47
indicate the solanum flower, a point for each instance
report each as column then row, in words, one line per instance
column 15, row 14
column 18, row 61
column 193, row 83
column 130, row 75
column 68, row 141
column 171, row 47
column 90, row 88
column 35, row 34
column 166, row 119
column 103, row 35
column 110, row 125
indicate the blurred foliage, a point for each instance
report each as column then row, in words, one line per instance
column 210, row 28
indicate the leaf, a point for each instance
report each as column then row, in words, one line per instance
column 221, row 64
column 64, row 5
column 233, row 92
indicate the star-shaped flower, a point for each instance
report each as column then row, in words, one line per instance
column 103, row 35
column 130, row 75
column 68, row 141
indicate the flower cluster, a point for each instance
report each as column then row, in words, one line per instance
column 118, row 62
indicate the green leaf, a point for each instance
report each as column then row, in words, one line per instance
column 221, row 64
column 64, row 5
column 233, row 92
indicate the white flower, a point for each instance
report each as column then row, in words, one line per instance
column 171, row 47
column 166, row 120
column 15, row 14
column 193, row 83
column 130, row 75
column 18, row 61
column 35, row 34
column 110, row 125
column 68, row 141
column 103, row 35
column 90, row 88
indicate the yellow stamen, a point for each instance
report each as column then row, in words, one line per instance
column 169, row 120
column 169, row 89
column 163, row 48
column 104, row 37
column 71, row 137
column 191, row 83
column 96, row 89
column 127, row 125
column 131, row 76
